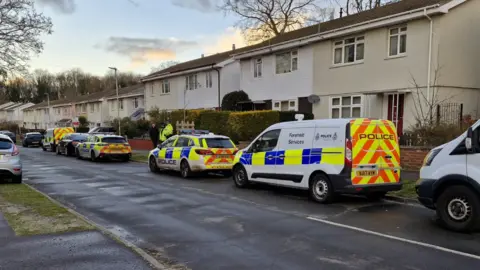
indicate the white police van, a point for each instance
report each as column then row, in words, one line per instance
column 450, row 181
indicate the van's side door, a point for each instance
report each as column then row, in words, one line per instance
column 263, row 151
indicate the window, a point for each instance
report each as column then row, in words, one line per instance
column 98, row 107
column 165, row 87
column 350, row 50
column 135, row 103
column 191, row 82
column 257, row 68
column 208, row 80
column 346, row 107
column 286, row 62
column 285, row 105
column 84, row 108
column 169, row 142
column 219, row 143
column 182, row 142
column 92, row 108
column 267, row 142
column 57, row 111
column 113, row 140
column 120, row 103
column 397, row 41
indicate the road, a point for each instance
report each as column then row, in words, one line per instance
column 207, row 223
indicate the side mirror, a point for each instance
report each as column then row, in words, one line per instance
column 468, row 140
column 159, row 146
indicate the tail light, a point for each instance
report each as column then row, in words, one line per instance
column 348, row 153
column 15, row 151
column 204, row 152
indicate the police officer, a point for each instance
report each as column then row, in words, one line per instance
column 166, row 131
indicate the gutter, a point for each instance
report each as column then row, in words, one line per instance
column 167, row 75
column 408, row 15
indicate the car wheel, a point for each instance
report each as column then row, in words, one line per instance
column 77, row 154
column 321, row 189
column 152, row 164
column 376, row 196
column 240, row 177
column 92, row 156
column 17, row 179
column 69, row 151
column 185, row 170
column 58, row 151
column 458, row 209
column 43, row 148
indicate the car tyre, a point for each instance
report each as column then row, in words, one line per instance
column 43, row 148
column 376, row 196
column 58, row 151
column 92, row 156
column 77, row 154
column 240, row 177
column 458, row 209
column 17, row 179
column 69, row 151
column 321, row 189
column 185, row 170
column 152, row 164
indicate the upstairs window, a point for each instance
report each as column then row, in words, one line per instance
column 349, row 50
column 121, row 103
column 286, row 62
column 257, row 68
column 152, row 89
column 191, row 82
column 92, row 108
column 208, row 80
column 397, row 41
column 165, row 87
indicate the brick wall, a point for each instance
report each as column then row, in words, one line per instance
column 138, row 144
column 412, row 157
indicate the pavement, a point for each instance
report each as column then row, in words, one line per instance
column 207, row 223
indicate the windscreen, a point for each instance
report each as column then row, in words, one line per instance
column 5, row 144
column 113, row 140
column 219, row 143
column 10, row 134
column 78, row 137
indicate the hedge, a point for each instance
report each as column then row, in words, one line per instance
column 216, row 122
column 245, row 126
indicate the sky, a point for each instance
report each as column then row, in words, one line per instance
column 132, row 35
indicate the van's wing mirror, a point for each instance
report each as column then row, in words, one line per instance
column 468, row 140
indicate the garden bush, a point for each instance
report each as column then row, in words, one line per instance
column 245, row 126
column 216, row 122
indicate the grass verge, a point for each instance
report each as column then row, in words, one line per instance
column 140, row 157
column 407, row 191
column 30, row 213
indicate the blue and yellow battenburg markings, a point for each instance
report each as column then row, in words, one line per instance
column 293, row 157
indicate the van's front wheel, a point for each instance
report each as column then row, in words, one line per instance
column 321, row 189
column 458, row 208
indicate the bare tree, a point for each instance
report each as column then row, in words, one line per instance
column 354, row 6
column 20, row 30
column 263, row 19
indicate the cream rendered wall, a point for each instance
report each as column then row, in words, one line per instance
column 128, row 106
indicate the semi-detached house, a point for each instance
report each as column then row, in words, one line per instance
column 389, row 62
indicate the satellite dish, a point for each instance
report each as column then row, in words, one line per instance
column 313, row 99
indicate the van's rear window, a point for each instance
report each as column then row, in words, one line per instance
column 219, row 143
column 5, row 144
column 113, row 140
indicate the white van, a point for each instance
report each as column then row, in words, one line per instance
column 450, row 181
column 324, row 156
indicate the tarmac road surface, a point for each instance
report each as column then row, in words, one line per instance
column 207, row 223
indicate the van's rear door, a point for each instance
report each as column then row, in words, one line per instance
column 375, row 152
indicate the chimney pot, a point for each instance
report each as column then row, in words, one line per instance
column 203, row 55
column 341, row 12
column 233, row 47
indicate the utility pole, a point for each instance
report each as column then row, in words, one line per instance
column 118, row 101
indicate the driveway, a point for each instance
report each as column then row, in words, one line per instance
column 207, row 223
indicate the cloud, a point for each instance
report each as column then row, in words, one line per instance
column 142, row 50
column 200, row 5
column 224, row 41
column 61, row 6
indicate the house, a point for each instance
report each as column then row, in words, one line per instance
column 392, row 62
column 43, row 115
column 16, row 114
column 131, row 102
column 197, row 84
column 4, row 111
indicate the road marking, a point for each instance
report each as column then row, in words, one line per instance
column 395, row 238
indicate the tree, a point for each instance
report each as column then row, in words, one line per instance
column 355, row 6
column 263, row 19
column 20, row 30
column 165, row 65
column 230, row 100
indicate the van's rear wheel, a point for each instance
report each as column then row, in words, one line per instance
column 458, row 208
column 321, row 189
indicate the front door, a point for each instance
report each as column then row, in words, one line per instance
column 395, row 111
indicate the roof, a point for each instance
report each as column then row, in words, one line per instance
column 52, row 103
column 138, row 89
column 3, row 136
column 372, row 14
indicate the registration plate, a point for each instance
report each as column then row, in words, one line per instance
column 366, row 173
column 221, row 166
column 35, row 142
column 223, row 156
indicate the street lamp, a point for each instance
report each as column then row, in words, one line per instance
column 118, row 101
column 48, row 106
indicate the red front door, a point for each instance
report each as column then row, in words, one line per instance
column 395, row 111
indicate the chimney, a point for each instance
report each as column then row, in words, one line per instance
column 341, row 12
column 203, row 55
column 233, row 47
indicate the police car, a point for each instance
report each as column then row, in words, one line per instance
column 194, row 153
column 326, row 157
column 98, row 146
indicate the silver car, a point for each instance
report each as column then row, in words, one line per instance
column 10, row 164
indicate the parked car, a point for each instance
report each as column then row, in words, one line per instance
column 67, row 145
column 10, row 164
column 10, row 134
column 104, row 146
column 105, row 130
column 32, row 139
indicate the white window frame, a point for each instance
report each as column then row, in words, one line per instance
column 84, row 107
column 165, row 87
column 257, row 67
column 293, row 58
column 208, row 80
column 120, row 103
column 401, row 31
column 152, row 89
column 277, row 104
column 191, row 82
column 342, row 44
column 340, row 106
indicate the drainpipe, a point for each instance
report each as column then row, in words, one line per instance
column 429, row 73
column 218, row 82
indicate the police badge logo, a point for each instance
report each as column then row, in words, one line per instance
column 317, row 137
column 334, row 136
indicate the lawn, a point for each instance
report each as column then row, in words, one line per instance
column 407, row 191
column 140, row 157
column 28, row 212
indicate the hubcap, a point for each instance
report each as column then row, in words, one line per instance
column 184, row 169
column 240, row 176
column 321, row 189
column 459, row 209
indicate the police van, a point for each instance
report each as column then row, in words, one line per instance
column 326, row 157
column 450, row 181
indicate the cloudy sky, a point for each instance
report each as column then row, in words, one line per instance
column 133, row 35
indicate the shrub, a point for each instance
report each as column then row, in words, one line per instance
column 216, row 122
column 432, row 135
column 230, row 100
column 10, row 126
column 245, row 126
column 83, row 121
